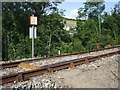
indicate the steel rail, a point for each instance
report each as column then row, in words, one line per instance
column 22, row 76
column 16, row 63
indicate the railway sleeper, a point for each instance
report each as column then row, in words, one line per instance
column 59, row 66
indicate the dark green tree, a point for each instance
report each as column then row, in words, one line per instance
column 16, row 23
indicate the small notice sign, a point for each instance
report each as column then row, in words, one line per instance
column 33, row 20
column 31, row 31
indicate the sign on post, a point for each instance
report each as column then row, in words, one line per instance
column 32, row 32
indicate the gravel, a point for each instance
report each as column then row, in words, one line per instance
column 98, row 63
column 36, row 82
column 68, row 58
column 8, row 71
column 92, row 53
column 97, row 74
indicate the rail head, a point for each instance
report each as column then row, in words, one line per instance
column 53, row 67
column 16, row 63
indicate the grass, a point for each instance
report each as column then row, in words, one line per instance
column 70, row 22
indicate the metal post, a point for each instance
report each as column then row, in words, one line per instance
column 99, row 23
column 33, row 42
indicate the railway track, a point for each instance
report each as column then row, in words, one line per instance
column 30, row 64
column 22, row 76
column 16, row 63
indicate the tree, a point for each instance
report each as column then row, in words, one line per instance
column 92, row 32
column 54, row 28
column 16, row 25
column 111, row 23
column 92, row 10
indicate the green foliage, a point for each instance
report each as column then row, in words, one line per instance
column 94, row 32
column 66, row 48
column 77, row 46
column 94, row 9
column 21, row 49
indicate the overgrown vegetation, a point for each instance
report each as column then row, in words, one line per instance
column 98, row 30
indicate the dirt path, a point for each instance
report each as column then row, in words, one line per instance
column 98, row 74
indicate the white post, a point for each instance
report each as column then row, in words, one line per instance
column 33, row 42
column 33, row 21
column 58, row 52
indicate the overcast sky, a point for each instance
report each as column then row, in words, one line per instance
column 71, row 7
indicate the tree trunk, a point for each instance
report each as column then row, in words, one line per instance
column 49, row 44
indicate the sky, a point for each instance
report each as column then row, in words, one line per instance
column 71, row 7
